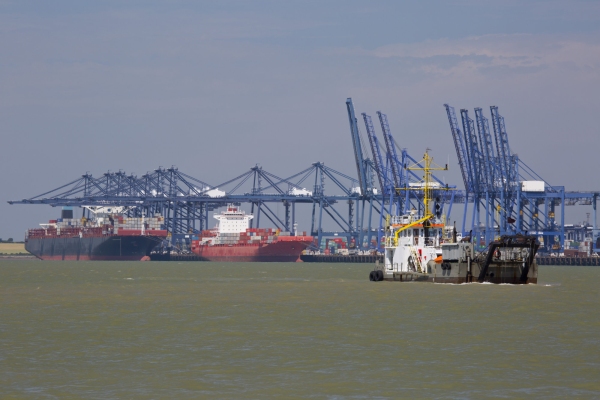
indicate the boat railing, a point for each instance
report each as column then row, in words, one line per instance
column 390, row 241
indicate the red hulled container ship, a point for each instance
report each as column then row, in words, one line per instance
column 233, row 240
column 107, row 236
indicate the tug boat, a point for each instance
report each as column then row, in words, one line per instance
column 422, row 248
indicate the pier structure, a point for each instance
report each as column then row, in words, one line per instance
column 502, row 194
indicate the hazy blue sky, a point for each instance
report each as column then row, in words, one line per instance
column 216, row 87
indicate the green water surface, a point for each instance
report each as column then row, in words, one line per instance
column 117, row 330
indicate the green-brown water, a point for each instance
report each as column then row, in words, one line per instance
column 102, row 330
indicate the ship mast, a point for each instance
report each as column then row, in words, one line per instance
column 426, row 187
column 428, row 161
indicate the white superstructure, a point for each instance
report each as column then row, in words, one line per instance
column 410, row 243
column 233, row 220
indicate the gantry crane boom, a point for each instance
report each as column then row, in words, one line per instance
column 377, row 159
column 487, row 145
column 358, row 153
column 503, row 149
column 463, row 163
column 390, row 149
column 473, row 155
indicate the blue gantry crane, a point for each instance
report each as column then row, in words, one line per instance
column 348, row 209
column 185, row 201
column 513, row 197
column 400, row 190
column 508, row 190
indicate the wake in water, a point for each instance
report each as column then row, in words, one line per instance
column 498, row 284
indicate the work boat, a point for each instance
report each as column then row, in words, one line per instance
column 415, row 256
column 422, row 248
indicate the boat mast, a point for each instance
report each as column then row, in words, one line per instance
column 427, row 161
column 426, row 187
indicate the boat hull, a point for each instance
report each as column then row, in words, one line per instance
column 110, row 247
column 509, row 259
column 410, row 277
column 280, row 251
column 464, row 272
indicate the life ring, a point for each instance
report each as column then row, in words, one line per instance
column 497, row 253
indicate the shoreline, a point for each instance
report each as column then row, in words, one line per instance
column 15, row 256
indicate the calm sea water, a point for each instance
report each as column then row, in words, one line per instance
column 112, row 330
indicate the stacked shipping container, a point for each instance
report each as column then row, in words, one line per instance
column 109, row 225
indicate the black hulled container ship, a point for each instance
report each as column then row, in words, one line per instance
column 106, row 235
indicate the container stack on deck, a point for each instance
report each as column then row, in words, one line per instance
column 116, row 224
column 133, row 226
column 251, row 236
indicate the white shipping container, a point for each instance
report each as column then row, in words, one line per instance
column 532, row 186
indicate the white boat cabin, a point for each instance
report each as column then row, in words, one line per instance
column 410, row 244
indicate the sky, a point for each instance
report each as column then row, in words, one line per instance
column 215, row 88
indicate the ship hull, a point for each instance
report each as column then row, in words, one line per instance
column 413, row 277
column 106, row 248
column 463, row 272
column 509, row 259
column 288, row 251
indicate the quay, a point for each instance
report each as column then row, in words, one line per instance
column 583, row 261
column 337, row 258
column 174, row 257
column 372, row 259
column 311, row 258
